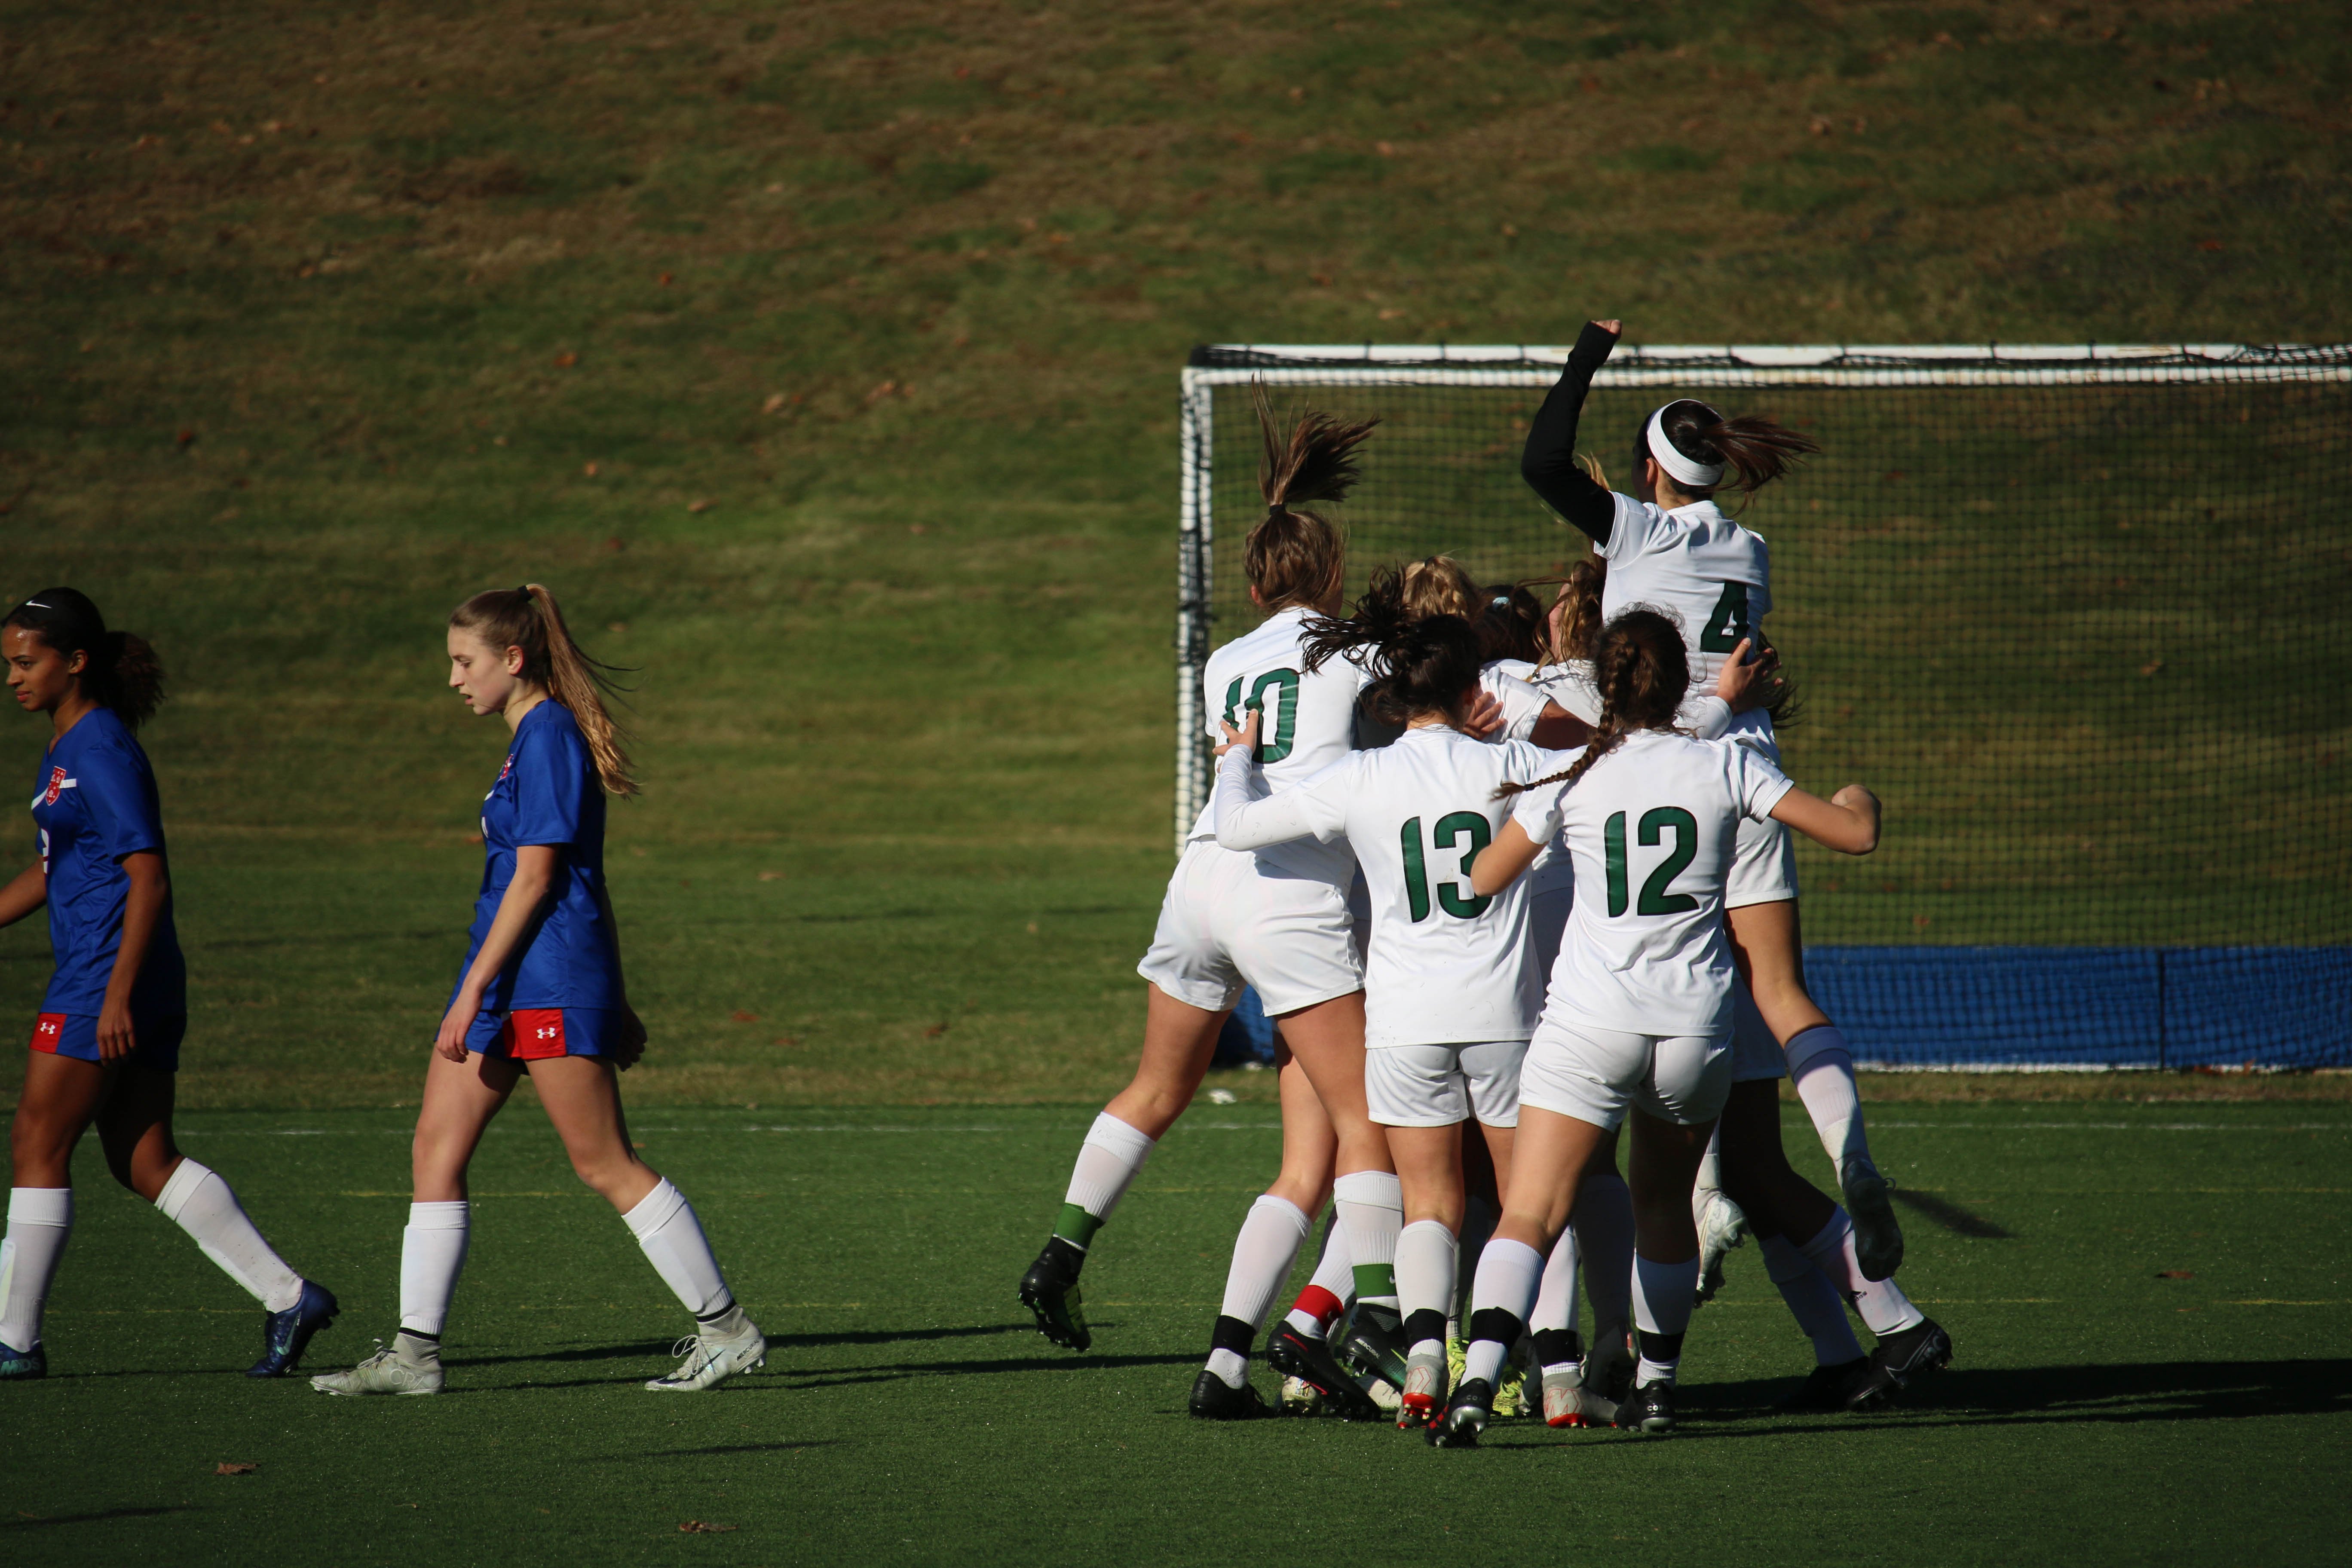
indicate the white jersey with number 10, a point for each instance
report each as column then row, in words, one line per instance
column 1309, row 723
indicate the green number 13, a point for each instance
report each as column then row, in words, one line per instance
column 1451, row 829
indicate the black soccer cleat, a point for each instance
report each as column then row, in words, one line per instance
column 1309, row 1360
column 1901, row 1360
column 1649, row 1410
column 1826, row 1389
column 1467, row 1414
column 1050, row 1290
column 286, row 1335
column 1374, row 1345
column 1215, row 1399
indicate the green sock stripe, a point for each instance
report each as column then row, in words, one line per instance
column 1077, row 1226
column 1375, row 1281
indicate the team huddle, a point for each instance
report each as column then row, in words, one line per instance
column 1483, row 863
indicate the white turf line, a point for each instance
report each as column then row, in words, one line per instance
column 1875, row 1123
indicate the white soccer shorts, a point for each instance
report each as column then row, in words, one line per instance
column 1763, row 865
column 1755, row 1054
column 1227, row 920
column 1591, row 1074
column 1438, row 1086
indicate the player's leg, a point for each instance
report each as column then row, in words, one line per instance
column 1271, row 1235
column 1770, row 944
column 1180, row 1039
column 460, row 1099
column 135, row 1127
column 60, row 1096
column 582, row 1097
column 1801, row 1223
column 1327, row 1038
column 1549, row 1151
column 1603, row 1221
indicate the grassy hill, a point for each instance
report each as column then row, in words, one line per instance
column 823, row 361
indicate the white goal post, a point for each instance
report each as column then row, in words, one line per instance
column 1533, row 366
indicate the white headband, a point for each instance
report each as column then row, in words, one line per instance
column 1684, row 471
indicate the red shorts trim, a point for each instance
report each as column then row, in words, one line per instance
column 531, row 1033
column 47, row 1030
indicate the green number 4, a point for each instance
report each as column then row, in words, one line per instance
column 1275, row 735
column 1727, row 626
column 1451, row 829
column 1655, row 824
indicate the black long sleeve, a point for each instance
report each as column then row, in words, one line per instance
column 1548, row 464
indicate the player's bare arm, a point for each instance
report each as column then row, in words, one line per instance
column 534, row 877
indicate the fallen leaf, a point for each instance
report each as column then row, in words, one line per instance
column 917, row 528
column 612, row 546
column 230, row 1467
column 700, row 507
column 1819, row 127
column 667, row 279
column 740, row 1017
column 616, row 626
column 2209, row 245
column 1385, row 149
column 2153, row 667
column 590, row 470
column 566, row 359
column 935, row 1031
column 775, row 401
column 702, row 1527
column 187, row 437
column 2176, row 1274
column 1921, row 921
column 1390, row 314
column 771, row 876
column 784, row 1040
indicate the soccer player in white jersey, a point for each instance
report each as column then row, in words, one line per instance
column 1450, row 997
column 1438, row 585
column 1279, row 922
column 1638, row 1013
column 1670, row 546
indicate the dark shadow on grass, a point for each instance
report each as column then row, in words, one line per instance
column 821, row 1378
column 643, row 1350
column 94, row 1518
column 1950, row 1215
column 888, row 1336
column 2122, row 1393
column 728, row 1448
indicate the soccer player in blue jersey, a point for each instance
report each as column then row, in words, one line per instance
column 107, row 1044
column 541, row 991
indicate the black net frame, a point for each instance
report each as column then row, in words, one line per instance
column 2068, row 610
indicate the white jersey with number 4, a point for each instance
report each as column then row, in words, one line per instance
column 1310, row 722
column 1445, row 966
column 1696, row 564
column 1652, row 830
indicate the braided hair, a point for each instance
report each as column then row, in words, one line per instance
column 1419, row 664
column 1643, row 672
column 1295, row 556
column 122, row 671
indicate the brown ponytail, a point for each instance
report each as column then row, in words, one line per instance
column 1754, row 450
column 120, row 670
column 1438, row 585
column 1642, row 671
column 1295, row 556
column 1579, row 621
column 529, row 619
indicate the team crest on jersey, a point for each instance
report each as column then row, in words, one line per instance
column 507, row 768
column 56, row 786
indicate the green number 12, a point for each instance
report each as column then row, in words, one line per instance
column 1655, row 824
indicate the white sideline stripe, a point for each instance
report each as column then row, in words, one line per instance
column 1876, row 1122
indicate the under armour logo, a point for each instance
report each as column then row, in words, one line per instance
column 546, row 1032
column 47, row 1028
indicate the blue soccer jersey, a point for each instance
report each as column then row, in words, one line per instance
column 94, row 802
column 548, row 794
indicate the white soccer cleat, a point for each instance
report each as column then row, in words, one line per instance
column 1877, row 1234
column 1567, row 1403
column 706, row 1359
column 1722, row 1226
column 386, row 1371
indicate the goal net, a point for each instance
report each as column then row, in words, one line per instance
column 2071, row 611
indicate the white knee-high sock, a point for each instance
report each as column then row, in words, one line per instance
column 1107, row 1162
column 1823, row 1069
column 39, row 1220
column 1554, row 1308
column 1884, row 1309
column 196, row 1199
column 1812, row 1301
column 1371, row 1211
column 432, row 1250
column 1426, row 1253
column 1329, row 1291
column 670, row 1233
column 1603, row 1218
column 1663, row 1294
column 1509, row 1275
column 1271, row 1236
column 1710, row 1167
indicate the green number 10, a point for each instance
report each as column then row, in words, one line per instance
column 1274, row 734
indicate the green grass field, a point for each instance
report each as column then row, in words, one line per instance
column 2098, row 1411
column 824, row 359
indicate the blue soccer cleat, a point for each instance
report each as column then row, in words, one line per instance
column 23, row 1366
column 286, row 1335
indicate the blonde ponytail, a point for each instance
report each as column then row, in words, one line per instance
column 529, row 619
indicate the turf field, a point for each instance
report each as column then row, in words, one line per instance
column 2149, row 1303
